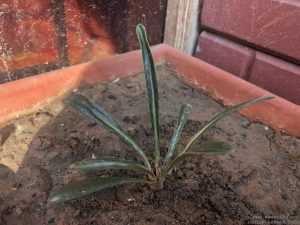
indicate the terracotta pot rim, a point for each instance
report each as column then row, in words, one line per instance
column 26, row 95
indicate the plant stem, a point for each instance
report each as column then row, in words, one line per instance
column 159, row 185
column 156, row 154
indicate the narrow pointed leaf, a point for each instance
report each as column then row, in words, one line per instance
column 84, row 105
column 109, row 164
column 221, row 116
column 209, row 148
column 183, row 115
column 96, row 113
column 88, row 186
column 151, row 83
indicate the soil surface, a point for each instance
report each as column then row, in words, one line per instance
column 257, row 183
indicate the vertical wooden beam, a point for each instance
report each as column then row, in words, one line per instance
column 181, row 27
column 61, row 31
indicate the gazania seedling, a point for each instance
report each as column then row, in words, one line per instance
column 157, row 171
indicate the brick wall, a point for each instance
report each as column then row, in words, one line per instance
column 27, row 35
column 258, row 41
column 41, row 35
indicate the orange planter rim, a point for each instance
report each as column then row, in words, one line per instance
column 26, row 95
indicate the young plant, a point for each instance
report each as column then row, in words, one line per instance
column 161, row 168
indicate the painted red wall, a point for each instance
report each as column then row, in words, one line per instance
column 258, row 41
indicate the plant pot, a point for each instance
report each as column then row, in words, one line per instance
column 258, row 178
column 25, row 95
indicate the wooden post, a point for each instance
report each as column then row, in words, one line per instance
column 181, row 27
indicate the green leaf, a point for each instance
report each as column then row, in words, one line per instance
column 96, row 113
column 182, row 118
column 110, row 164
column 88, row 186
column 151, row 83
column 221, row 116
column 209, row 148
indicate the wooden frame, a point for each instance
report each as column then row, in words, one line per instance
column 181, row 27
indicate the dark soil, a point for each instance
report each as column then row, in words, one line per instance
column 257, row 183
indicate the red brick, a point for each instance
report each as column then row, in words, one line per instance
column 270, row 24
column 40, row 9
column 98, row 29
column 277, row 76
column 152, row 15
column 88, row 36
column 225, row 54
column 27, row 34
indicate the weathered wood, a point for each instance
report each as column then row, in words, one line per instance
column 181, row 28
